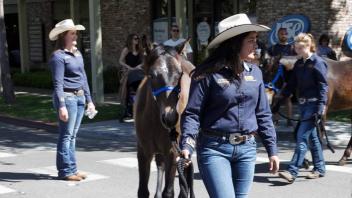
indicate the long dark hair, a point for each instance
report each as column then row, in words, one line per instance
column 227, row 54
column 60, row 42
column 129, row 43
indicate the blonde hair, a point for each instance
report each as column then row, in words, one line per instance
column 306, row 39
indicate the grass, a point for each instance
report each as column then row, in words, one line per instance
column 342, row 116
column 40, row 108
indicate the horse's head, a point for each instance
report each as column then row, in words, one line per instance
column 164, row 71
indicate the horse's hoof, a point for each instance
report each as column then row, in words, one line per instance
column 342, row 162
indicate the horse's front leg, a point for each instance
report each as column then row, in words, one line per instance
column 144, row 161
column 347, row 153
column 170, row 172
column 159, row 159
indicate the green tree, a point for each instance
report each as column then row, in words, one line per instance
column 8, row 91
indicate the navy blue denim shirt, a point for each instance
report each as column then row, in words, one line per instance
column 283, row 50
column 68, row 72
column 310, row 79
column 220, row 104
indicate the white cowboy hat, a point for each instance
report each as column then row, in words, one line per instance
column 233, row 26
column 64, row 26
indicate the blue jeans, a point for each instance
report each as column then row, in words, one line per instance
column 227, row 170
column 66, row 146
column 307, row 134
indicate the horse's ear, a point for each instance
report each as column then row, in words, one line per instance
column 180, row 47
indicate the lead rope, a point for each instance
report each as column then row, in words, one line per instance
column 319, row 124
column 185, row 174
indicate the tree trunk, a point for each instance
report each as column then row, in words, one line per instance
column 8, row 92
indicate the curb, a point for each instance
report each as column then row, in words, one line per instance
column 53, row 128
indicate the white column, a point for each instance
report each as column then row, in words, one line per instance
column 181, row 16
column 23, row 32
column 96, row 51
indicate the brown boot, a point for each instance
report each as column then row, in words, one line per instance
column 287, row 176
column 81, row 175
column 314, row 175
column 72, row 178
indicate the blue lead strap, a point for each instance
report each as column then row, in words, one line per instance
column 279, row 73
column 162, row 89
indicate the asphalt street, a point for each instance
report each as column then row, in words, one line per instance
column 107, row 152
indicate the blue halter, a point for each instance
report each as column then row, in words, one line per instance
column 163, row 89
column 279, row 73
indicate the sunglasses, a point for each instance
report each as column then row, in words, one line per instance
column 174, row 30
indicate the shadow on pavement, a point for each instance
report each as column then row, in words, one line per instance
column 19, row 177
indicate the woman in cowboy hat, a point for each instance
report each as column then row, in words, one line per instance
column 71, row 92
column 227, row 110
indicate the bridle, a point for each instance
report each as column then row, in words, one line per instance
column 177, row 88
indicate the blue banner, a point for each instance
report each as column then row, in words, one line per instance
column 294, row 24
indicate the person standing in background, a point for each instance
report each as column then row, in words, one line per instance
column 131, row 61
column 283, row 48
column 176, row 40
column 71, row 93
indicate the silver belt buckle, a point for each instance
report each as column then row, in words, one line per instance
column 301, row 100
column 79, row 92
column 233, row 138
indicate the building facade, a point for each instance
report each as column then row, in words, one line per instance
column 198, row 18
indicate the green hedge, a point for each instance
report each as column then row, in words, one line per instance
column 42, row 79
column 36, row 79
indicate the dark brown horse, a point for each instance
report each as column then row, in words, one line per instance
column 340, row 86
column 156, row 114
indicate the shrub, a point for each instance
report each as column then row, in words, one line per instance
column 42, row 79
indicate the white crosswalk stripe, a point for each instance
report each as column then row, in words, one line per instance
column 343, row 169
column 5, row 190
column 52, row 172
column 131, row 162
column 128, row 162
column 3, row 154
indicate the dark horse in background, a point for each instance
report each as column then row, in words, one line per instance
column 339, row 80
column 156, row 116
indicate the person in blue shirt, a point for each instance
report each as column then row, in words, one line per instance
column 283, row 48
column 323, row 49
column 71, row 92
column 227, row 110
column 309, row 78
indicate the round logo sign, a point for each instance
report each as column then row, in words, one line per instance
column 294, row 25
column 203, row 32
column 348, row 38
column 347, row 43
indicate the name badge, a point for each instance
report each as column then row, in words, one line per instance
column 223, row 82
column 249, row 78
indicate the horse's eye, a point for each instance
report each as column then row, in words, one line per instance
column 152, row 75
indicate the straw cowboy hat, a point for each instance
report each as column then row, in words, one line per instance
column 233, row 26
column 64, row 26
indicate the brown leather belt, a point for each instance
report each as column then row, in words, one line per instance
column 233, row 138
column 77, row 92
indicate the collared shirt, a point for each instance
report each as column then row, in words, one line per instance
column 310, row 79
column 218, row 102
column 68, row 72
column 280, row 49
column 174, row 43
